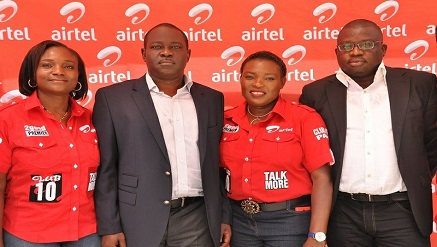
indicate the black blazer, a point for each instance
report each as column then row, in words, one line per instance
column 132, row 183
column 413, row 104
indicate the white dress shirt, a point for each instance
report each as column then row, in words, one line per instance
column 370, row 164
column 178, row 119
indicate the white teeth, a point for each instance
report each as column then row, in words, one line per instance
column 258, row 93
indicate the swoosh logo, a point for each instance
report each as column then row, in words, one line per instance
column 196, row 10
column 414, row 46
column 380, row 9
column 136, row 10
column 68, row 8
column 321, row 9
column 7, row 4
column 107, row 52
column 292, row 51
column 263, row 8
column 232, row 51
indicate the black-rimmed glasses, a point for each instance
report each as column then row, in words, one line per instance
column 365, row 45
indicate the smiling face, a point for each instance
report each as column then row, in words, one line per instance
column 360, row 65
column 261, row 83
column 57, row 72
column 166, row 53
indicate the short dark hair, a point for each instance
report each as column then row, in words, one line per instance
column 169, row 25
column 266, row 55
column 30, row 65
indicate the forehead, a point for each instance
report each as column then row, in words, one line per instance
column 166, row 35
column 358, row 34
column 261, row 65
column 59, row 52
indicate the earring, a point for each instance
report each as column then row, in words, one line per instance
column 80, row 87
column 28, row 83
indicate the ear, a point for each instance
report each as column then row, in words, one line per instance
column 283, row 81
column 143, row 54
column 188, row 55
column 384, row 48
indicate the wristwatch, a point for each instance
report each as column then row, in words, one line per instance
column 318, row 236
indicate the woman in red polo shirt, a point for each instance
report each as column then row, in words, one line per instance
column 277, row 161
column 48, row 154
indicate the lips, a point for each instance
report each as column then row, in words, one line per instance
column 356, row 62
column 167, row 61
column 257, row 93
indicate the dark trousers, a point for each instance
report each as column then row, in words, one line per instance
column 374, row 224
column 188, row 227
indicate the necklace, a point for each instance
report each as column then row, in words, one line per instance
column 63, row 117
column 256, row 118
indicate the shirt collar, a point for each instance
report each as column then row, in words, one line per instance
column 33, row 102
column 188, row 83
column 240, row 112
column 380, row 74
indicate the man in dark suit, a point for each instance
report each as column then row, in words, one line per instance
column 383, row 133
column 158, row 183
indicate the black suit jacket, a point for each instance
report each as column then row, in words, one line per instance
column 133, row 181
column 413, row 105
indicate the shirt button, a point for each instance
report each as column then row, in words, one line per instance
column 74, row 208
column 167, row 173
column 251, row 140
column 95, row 140
column 246, row 159
column 75, row 166
column 40, row 144
column 166, row 202
column 70, row 128
column 224, row 139
column 75, row 186
column 71, row 145
column 246, row 180
column 278, row 138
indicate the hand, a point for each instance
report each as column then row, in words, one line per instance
column 225, row 235
column 313, row 243
column 114, row 240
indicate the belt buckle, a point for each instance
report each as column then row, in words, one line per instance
column 352, row 196
column 250, row 207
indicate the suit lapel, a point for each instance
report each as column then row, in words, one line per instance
column 201, row 104
column 143, row 100
column 336, row 93
column 398, row 87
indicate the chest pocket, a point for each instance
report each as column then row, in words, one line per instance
column 229, row 148
column 280, row 146
column 42, row 152
column 90, row 147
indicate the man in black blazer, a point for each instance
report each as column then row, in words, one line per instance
column 158, row 183
column 383, row 133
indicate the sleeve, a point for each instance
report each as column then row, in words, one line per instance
column 5, row 148
column 315, row 142
column 431, row 126
column 106, row 191
column 226, row 204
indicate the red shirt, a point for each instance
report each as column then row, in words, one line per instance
column 51, row 171
column 271, row 161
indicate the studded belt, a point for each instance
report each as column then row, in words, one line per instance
column 251, row 207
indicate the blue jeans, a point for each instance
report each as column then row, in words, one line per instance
column 374, row 224
column 283, row 228
column 92, row 240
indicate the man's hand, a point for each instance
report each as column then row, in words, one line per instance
column 225, row 235
column 114, row 240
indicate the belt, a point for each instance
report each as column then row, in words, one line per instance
column 252, row 207
column 361, row 197
column 184, row 201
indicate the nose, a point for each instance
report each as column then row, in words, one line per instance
column 356, row 50
column 258, row 82
column 166, row 51
column 58, row 69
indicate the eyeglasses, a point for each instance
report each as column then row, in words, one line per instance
column 365, row 45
